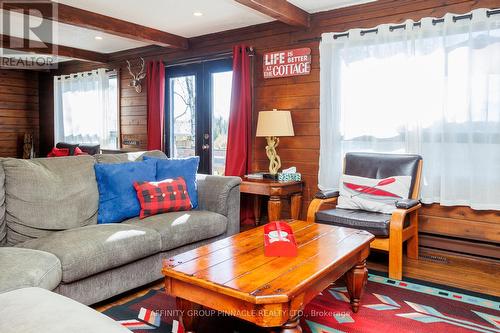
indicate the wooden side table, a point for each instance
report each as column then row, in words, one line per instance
column 277, row 191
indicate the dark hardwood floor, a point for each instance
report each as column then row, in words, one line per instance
column 479, row 275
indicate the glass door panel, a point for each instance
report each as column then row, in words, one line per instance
column 183, row 116
column 197, row 112
column 221, row 102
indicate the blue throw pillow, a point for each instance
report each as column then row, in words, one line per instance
column 179, row 167
column 117, row 196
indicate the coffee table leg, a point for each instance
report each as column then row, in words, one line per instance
column 292, row 326
column 355, row 282
column 189, row 314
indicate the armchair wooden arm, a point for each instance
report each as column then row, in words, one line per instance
column 315, row 206
column 398, row 234
column 397, row 230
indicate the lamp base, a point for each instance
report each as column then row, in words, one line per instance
column 274, row 159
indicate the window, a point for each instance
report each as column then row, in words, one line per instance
column 86, row 108
column 431, row 89
column 221, row 105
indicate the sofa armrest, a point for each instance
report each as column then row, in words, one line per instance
column 221, row 194
column 407, row 203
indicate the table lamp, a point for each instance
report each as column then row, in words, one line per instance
column 272, row 125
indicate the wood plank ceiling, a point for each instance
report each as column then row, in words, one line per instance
column 89, row 20
column 281, row 10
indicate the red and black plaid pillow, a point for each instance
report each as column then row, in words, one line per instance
column 169, row 195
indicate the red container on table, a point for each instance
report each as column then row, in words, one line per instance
column 279, row 240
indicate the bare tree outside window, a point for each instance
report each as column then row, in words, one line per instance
column 184, row 106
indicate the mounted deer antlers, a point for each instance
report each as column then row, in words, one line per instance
column 136, row 78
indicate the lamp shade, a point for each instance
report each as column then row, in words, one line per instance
column 274, row 123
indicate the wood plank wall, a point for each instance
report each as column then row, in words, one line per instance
column 301, row 96
column 18, row 110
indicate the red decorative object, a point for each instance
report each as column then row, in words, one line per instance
column 287, row 63
column 279, row 240
column 58, row 152
column 79, row 152
column 156, row 101
column 169, row 195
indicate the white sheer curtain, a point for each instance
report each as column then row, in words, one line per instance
column 83, row 109
column 431, row 88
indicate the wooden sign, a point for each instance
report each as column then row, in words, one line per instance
column 287, row 63
column 130, row 140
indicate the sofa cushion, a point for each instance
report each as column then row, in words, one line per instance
column 181, row 228
column 27, row 233
column 168, row 168
column 28, row 268
column 376, row 165
column 169, row 195
column 117, row 196
column 370, row 194
column 14, row 237
column 375, row 223
column 128, row 157
column 35, row 310
column 93, row 249
column 51, row 193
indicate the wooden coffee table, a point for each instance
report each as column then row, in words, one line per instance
column 233, row 276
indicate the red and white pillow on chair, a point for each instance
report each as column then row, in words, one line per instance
column 374, row 195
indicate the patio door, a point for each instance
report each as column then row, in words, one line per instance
column 197, row 112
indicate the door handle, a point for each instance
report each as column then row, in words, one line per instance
column 205, row 147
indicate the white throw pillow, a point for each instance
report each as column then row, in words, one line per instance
column 374, row 195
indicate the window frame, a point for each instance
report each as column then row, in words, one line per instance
column 116, row 73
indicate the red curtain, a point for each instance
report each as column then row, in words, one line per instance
column 156, row 102
column 239, row 140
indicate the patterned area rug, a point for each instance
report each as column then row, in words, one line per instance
column 387, row 306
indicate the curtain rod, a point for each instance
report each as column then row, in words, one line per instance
column 76, row 74
column 212, row 57
column 419, row 23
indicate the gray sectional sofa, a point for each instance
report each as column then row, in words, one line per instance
column 36, row 310
column 50, row 238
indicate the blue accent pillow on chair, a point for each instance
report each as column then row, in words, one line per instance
column 179, row 167
column 117, row 196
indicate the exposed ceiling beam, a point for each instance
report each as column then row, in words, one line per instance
column 36, row 47
column 94, row 21
column 281, row 10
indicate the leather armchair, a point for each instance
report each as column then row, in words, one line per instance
column 391, row 230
